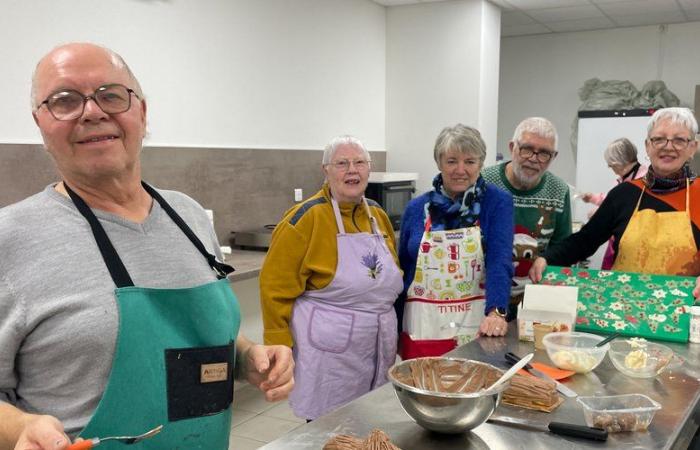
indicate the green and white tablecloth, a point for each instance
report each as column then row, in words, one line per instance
column 634, row 304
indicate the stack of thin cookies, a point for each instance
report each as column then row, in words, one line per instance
column 532, row 393
column 377, row 440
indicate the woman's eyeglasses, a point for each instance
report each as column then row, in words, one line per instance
column 344, row 164
column 678, row 143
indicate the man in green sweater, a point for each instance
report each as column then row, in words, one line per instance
column 541, row 199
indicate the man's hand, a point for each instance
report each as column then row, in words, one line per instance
column 42, row 433
column 271, row 369
column 537, row 269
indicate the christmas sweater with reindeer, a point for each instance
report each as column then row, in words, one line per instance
column 303, row 256
column 542, row 217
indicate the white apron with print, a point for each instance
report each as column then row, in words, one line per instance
column 445, row 301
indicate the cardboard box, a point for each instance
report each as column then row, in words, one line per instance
column 552, row 305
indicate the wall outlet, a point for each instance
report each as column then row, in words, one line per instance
column 298, row 194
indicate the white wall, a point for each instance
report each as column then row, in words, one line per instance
column 541, row 75
column 488, row 87
column 234, row 73
column 438, row 56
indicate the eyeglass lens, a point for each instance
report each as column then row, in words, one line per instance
column 67, row 105
column 344, row 164
column 678, row 143
column 542, row 156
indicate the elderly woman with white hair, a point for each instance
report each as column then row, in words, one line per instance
column 655, row 220
column 455, row 250
column 621, row 158
column 328, row 286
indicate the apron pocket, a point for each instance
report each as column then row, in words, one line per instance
column 199, row 380
column 331, row 330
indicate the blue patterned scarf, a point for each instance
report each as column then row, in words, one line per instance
column 674, row 182
column 463, row 211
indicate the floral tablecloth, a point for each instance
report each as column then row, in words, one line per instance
column 634, row 304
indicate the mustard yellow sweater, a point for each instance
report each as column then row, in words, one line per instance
column 303, row 256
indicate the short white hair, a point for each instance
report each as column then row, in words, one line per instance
column 338, row 142
column 466, row 140
column 620, row 152
column 538, row 126
column 675, row 115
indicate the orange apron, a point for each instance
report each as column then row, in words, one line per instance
column 658, row 242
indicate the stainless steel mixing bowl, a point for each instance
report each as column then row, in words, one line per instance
column 446, row 412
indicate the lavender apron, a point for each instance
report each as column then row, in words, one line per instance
column 345, row 334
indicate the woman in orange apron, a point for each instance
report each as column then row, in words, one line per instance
column 451, row 238
column 655, row 220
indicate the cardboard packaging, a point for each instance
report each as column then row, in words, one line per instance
column 550, row 305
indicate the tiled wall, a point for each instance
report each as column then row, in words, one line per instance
column 245, row 188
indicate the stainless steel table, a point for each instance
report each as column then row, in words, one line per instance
column 673, row 426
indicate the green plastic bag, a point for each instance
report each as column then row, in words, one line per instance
column 634, row 304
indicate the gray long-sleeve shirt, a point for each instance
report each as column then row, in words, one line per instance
column 58, row 312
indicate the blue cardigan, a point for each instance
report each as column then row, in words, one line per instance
column 496, row 220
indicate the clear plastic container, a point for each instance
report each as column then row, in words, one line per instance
column 616, row 413
column 575, row 351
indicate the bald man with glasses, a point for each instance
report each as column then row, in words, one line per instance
column 116, row 315
column 541, row 199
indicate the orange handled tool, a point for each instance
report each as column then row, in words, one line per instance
column 94, row 442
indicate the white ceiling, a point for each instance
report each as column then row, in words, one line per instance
column 522, row 17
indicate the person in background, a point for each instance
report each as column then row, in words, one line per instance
column 113, row 302
column 621, row 157
column 455, row 251
column 541, row 199
column 328, row 286
column 655, row 220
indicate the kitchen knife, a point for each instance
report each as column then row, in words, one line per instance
column 560, row 428
column 513, row 358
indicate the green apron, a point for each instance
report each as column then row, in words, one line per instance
column 174, row 357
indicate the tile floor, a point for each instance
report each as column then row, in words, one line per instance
column 256, row 421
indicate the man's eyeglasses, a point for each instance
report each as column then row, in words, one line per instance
column 678, row 143
column 344, row 164
column 543, row 156
column 70, row 104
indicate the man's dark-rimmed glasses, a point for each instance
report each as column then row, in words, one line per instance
column 543, row 156
column 69, row 104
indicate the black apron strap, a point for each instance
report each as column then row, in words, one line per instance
column 220, row 268
column 114, row 264
column 112, row 260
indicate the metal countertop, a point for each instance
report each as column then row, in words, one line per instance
column 677, row 390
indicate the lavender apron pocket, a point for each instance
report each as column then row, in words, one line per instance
column 330, row 330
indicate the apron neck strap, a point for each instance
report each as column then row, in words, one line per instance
column 428, row 222
column 114, row 264
column 687, row 197
column 639, row 200
column 220, row 268
column 339, row 218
